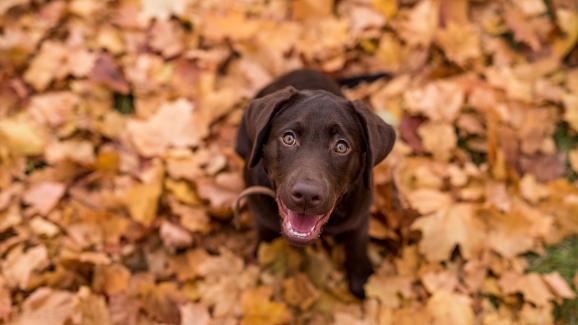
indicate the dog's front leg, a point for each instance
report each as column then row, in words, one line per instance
column 357, row 264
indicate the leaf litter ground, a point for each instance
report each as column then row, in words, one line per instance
column 117, row 173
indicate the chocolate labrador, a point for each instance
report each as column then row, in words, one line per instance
column 302, row 138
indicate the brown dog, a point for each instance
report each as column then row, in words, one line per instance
column 301, row 137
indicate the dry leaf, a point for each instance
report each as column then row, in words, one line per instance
column 44, row 196
column 442, row 231
column 46, row 306
column 142, row 199
column 173, row 125
column 450, row 308
column 21, row 136
column 439, row 139
column 259, row 309
column 559, row 285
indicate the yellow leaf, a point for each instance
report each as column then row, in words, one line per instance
column 183, row 191
column 258, row 309
column 21, row 136
column 142, row 199
column 388, row 289
column 299, row 291
column 388, row 8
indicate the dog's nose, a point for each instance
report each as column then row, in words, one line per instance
column 306, row 194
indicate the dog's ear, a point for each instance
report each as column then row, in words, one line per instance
column 256, row 123
column 379, row 138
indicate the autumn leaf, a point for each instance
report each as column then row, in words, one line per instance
column 46, row 306
column 173, row 125
column 443, row 230
column 22, row 136
column 450, row 308
column 259, row 309
column 142, row 199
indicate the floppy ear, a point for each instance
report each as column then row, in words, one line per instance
column 256, row 123
column 378, row 135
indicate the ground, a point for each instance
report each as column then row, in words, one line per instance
column 117, row 168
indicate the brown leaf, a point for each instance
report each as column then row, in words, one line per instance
column 175, row 236
column 107, row 72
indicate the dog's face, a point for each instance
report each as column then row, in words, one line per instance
column 312, row 154
column 314, row 146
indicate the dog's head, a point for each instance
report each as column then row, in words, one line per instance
column 314, row 146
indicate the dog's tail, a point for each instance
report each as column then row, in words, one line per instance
column 353, row 81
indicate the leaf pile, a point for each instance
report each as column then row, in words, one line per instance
column 117, row 172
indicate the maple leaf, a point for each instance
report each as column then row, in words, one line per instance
column 22, row 136
column 173, row 125
column 161, row 9
column 46, row 306
column 44, row 196
column 46, row 65
column 388, row 289
column 460, row 42
column 194, row 314
column 443, row 230
column 259, row 309
column 420, row 23
column 440, row 100
column 142, row 199
column 438, row 138
column 450, row 308
column 530, row 285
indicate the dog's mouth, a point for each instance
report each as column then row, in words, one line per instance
column 301, row 228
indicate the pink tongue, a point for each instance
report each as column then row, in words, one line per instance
column 301, row 222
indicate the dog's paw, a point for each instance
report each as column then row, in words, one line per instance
column 357, row 283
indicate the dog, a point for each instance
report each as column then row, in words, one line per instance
column 302, row 138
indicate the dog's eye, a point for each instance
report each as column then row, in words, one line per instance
column 341, row 147
column 288, row 139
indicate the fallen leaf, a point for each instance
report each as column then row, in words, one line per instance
column 388, row 289
column 427, row 201
column 46, row 306
column 450, row 308
column 530, row 285
column 443, row 230
column 420, row 23
column 44, row 196
column 173, row 125
column 259, row 309
column 440, row 101
column 175, row 236
column 460, row 42
column 298, row 291
column 558, row 285
column 5, row 301
column 92, row 308
column 194, row 314
column 106, row 72
column 142, row 199
column 22, row 136
column 439, row 139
